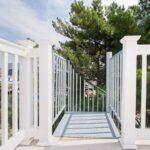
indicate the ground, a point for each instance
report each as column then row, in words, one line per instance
column 83, row 131
column 80, row 144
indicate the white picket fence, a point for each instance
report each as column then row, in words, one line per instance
column 121, row 91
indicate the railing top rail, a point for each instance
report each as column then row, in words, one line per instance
column 58, row 56
column 2, row 41
column 101, row 90
column 143, row 49
column 104, row 92
column 115, row 55
column 7, row 46
column 21, row 48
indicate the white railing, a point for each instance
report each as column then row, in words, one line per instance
column 59, row 83
column 121, row 91
column 43, row 80
column 35, row 88
column 83, row 96
column 43, row 85
column 12, row 132
column 115, row 82
column 143, row 131
column 19, row 93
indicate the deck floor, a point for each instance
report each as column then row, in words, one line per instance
column 87, row 125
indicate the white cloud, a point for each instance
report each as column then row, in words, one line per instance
column 17, row 16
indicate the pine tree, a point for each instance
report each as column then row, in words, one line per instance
column 144, row 20
column 92, row 31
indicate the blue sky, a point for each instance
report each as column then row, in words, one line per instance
column 20, row 19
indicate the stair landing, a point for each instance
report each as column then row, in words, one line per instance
column 87, row 125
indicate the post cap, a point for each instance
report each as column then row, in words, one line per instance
column 130, row 38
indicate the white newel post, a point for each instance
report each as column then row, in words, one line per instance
column 108, row 56
column 128, row 130
column 25, row 97
column 45, row 93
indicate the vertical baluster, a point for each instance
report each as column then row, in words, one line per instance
column 61, row 84
column 110, row 80
column 53, row 86
column 64, row 82
column 53, row 100
column 58, row 87
column 70, row 87
column 5, row 99
column 143, row 91
column 55, row 82
column 56, row 65
column 93, row 99
column 112, row 96
column 80, row 94
column 76, row 92
column 60, row 98
column 73, row 91
column 15, row 95
column 88, row 98
column 102, row 102
column 97, row 92
column 113, row 101
column 117, row 84
column 63, row 79
column 111, row 84
column 35, row 91
column 84, row 96
column 120, row 81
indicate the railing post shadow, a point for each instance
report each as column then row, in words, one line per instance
column 108, row 56
column 128, row 98
column 45, row 93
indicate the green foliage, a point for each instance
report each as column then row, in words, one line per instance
column 144, row 20
column 124, row 22
column 138, row 90
column 138, row 96
column 92, row 31
column 144, row 10
column 10, row 114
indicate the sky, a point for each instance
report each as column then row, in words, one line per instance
column 20, row 19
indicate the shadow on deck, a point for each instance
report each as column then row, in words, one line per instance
column 87, row 125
